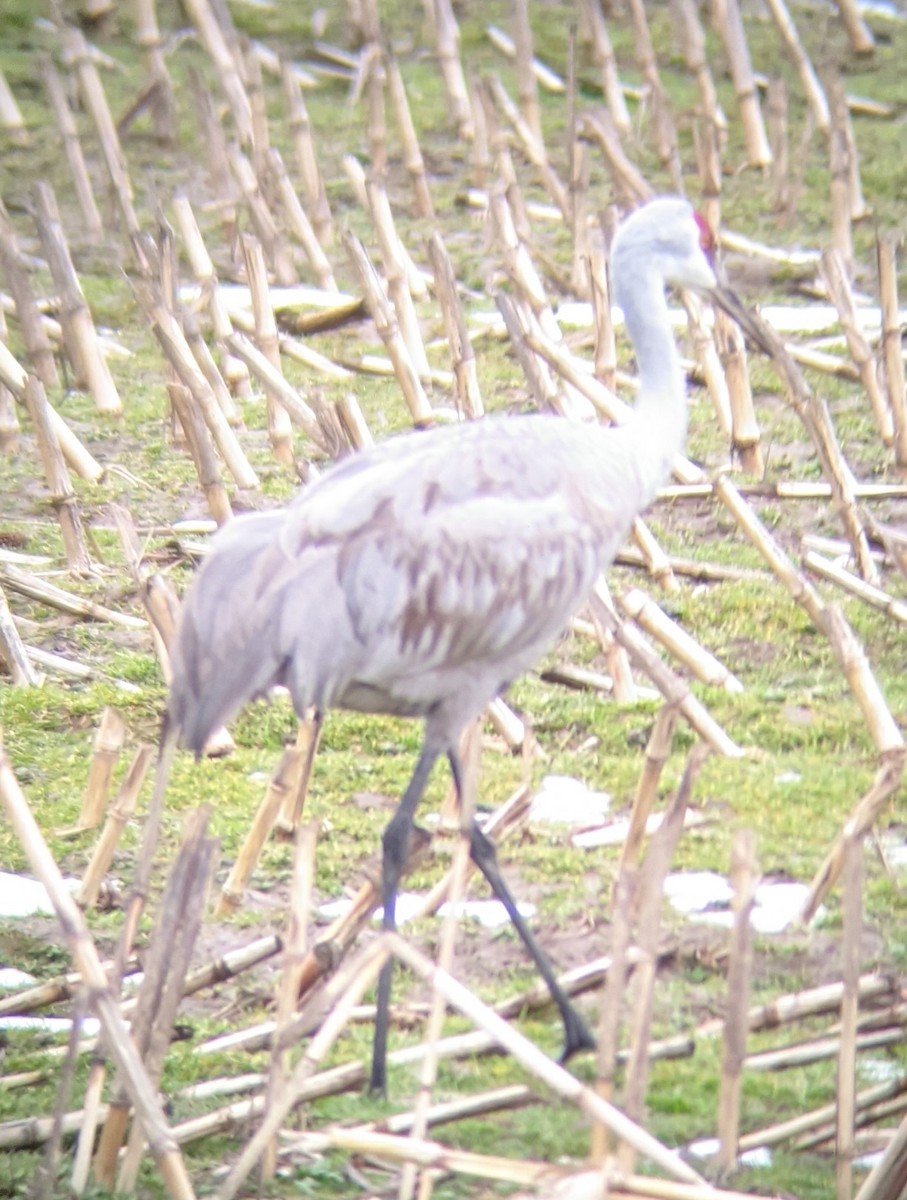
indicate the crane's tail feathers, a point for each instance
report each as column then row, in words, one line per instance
column 224, row 652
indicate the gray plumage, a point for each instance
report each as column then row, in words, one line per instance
column 415, row 580
column 421, row 577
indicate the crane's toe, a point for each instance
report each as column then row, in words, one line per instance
column 576, row 1036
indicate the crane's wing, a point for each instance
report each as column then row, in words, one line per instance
column 479, row 581
column 474, row 547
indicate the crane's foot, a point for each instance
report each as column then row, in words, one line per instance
column 576, row 1035
column 377, row 1084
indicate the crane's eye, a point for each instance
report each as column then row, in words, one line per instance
column 706, row 237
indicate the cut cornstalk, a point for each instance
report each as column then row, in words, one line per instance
column 158, row 88
column 647, row 905
column 284, row 779
column 694, row 52
column 120, row 812
column 599, row 128
column 287, row 396
column 814, row 414
column 840, row 165
column 527, row 81
column 280, row 429
column 38, row 349
column 40, row 590
column 389, row 331
column 108, row 743
column 395, row 273
column 744, row 876
column 72, row 146
column 199, row 393
column 656, row 97
column 306, row 157
column 840, row 119
column 235, row 373
column 288, row 986
column 447, row 35
column 532, row 145
column 94, row 99
column 605, row 357
column 62, row 496
column 658, row 625
column 412, row 154
column 674, row 689
column 776, row 117
column 275, row 246
column 887, row 1178
column 13, row 651
column 860, row 35
column 850, row 1008
column 9, row 422
column 229, row 70
column 549, row 1073
column 783, row 1131
column 201, row 451
column 815, row 95
column 709, row 361
column 886, row 783
column 469, row 396
column 744, row 424
column 897, row 609
column 733, row 34
column 835, row 275
column 120, row 1045
column 166, row 962
column 891, row 344
column 79, row 334
column 11, row 119
column 881, row 724
column 503, row 42
column 308, row 738
column 605, row 60
column 298, row 221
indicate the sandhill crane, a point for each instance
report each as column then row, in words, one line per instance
column 419, row 578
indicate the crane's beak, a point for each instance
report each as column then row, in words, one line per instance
column 755, row 328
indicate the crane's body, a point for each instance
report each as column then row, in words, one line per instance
column 420, row 577
column 416, row 580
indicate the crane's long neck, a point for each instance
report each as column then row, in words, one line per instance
column 659, row 424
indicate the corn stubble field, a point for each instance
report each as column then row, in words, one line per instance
column 383, row 181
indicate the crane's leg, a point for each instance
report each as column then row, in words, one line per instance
column 484, row 855
column 395, row 842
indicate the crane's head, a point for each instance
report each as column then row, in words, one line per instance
column 668, row 238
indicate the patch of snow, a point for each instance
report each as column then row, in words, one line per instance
column 12, row 979
column 777, row 905
column 491, row 914
column 880, row 8
column 562, row 800
column 879, row 1070
column 706, row 896
column 614, row 833
column 761, row 1156
column 894, row 847
column 697, row 891
column 866, row 1162
column 24, row 897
